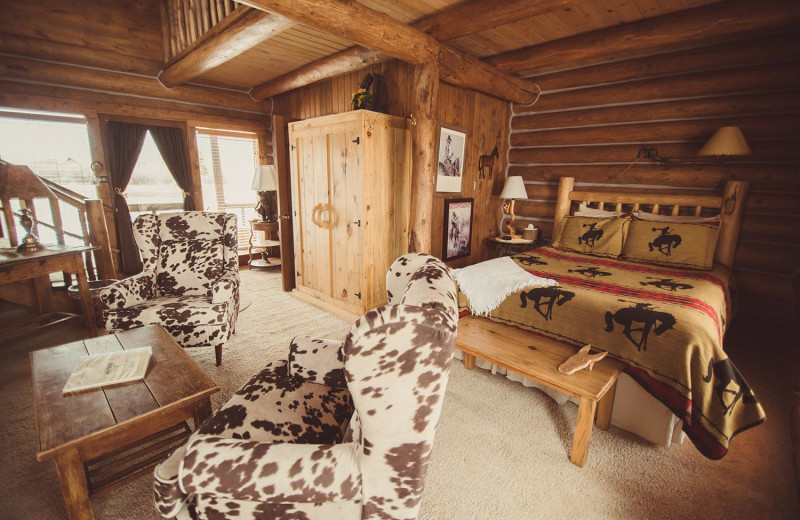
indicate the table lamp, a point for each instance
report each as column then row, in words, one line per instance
column 265, row 181
column 513, row 189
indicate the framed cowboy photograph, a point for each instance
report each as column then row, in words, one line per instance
column 457, row 230
column 450, row 149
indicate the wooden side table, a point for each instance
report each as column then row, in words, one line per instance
column 263, row 243
column 513, row 246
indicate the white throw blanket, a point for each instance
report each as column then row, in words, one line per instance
column 487, row 284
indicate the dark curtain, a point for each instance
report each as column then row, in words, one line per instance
column 124, row 143
column 170, row 143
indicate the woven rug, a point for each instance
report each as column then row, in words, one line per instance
column 501, row 449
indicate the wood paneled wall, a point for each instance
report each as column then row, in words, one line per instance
column 485, row 118
column 590, row 122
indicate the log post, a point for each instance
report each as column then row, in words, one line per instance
column 98, row 236
column 563, row 203
column 730, row 216
column 423, row 138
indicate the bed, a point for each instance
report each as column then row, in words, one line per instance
column 665, row 322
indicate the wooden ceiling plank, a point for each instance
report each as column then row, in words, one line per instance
column 242, row 30
column 357, row 23
column 671, row 32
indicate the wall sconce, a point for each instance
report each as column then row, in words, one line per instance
column 513, row 189
column 726, row 142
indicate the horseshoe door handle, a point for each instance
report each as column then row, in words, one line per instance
column 329, row 219
column 314, row 217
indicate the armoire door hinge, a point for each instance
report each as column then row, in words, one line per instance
column 358, row 295
column 293, row 147
column 357, row 140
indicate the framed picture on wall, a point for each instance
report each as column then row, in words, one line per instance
column 457, row 232
column 450, row 149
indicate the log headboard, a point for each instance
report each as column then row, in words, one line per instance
column 728, row 205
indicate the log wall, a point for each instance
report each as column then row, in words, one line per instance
column 590, row 122
column 485, row 119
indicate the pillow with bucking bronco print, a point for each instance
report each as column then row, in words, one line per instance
column 592, row 235
column 672, row 243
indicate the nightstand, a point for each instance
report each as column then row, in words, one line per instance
column 263, row 239
column 513, row 246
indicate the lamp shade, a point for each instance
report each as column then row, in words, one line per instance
column 266, row 178
column 728, row 140
column 514, row 188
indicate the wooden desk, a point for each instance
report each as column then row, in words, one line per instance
column 257, row 244
column 538, row 358
column 82, row 431
column 16, row 266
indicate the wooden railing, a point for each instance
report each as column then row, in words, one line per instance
column 184, row 21
column 22, row 186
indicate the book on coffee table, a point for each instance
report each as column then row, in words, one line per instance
column 109, row 368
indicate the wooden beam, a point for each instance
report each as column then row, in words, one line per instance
column 57, row 74
column 242, row 30
column 671, row 32
column 423, row 136
column 472, row 16
column 456, row 68
column 342, row 62
column 357, row 23
column 465, row 71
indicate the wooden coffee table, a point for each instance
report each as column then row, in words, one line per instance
column 102, row 438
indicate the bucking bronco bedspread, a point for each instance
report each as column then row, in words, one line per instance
column 666, row 324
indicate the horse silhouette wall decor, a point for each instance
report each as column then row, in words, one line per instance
column 487, row 161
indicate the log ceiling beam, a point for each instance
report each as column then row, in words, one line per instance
column 456, row 67
column 347, row 60
column 238, row 32
column 701, row 26
column 357, row 23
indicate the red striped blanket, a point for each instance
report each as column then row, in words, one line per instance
column 666, row 324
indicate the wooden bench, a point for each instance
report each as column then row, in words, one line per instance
column 538, row 358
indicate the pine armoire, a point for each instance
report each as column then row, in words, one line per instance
column 351, row 193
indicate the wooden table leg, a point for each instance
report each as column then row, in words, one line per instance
column 605, row 407
column 202, row 411
column 86, row 298
column 583, row 431
column 469, row 361
column 72, row 477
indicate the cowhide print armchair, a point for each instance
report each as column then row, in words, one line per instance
column 189, row 283
column 341, row 430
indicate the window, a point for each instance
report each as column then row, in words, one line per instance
column 227, row 165
column 57, row 150
column 152, row 188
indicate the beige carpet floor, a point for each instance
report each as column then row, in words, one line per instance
column 501, row 449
